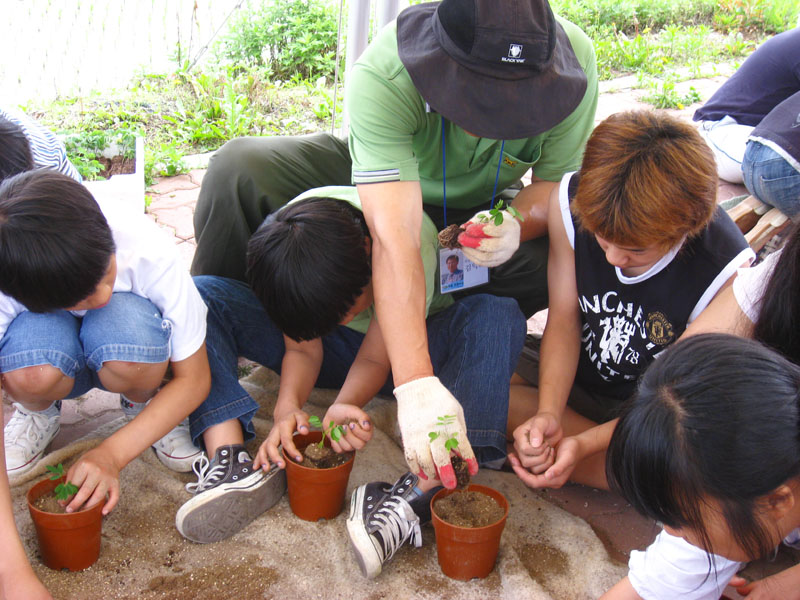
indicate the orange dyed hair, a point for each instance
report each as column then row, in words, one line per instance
column 646, row 179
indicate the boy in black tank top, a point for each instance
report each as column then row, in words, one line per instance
column 638, row 247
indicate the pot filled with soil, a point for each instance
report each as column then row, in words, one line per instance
column 66, row 540
column 317, row 486
column 468, row 524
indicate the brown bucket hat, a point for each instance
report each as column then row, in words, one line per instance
column 500, row 69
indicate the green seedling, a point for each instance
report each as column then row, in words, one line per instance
column 496, row 213
column 451, row 443
column 64, row 490
column 334, row 431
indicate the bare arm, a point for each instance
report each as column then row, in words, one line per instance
column 369, row 370
column 623, row 590
column 560, row 347
column 722, row 315
column 299, row 370
column 17, row 579
column 97, row 471
column 533, row 202
column 393, row 212
column 364, row 380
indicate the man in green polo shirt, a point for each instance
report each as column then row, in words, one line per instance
column 453, row 102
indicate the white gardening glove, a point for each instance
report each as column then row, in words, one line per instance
column 487, row 244
column 420, row 403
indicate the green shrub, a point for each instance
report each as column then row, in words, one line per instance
column 289, row 37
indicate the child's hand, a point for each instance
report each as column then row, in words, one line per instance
column 281, row 434
column 560, row 463
column 535, row 441
column 96, row 474
column 358, row 428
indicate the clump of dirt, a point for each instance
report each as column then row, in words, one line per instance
column 462, row 471
column 543, row 562
column 468, row 509
column 116, row 165
column 49, row 503
column 448, row 237
column 217, row 581
column 323, row 457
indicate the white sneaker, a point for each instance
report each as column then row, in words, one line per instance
column 175, row 449
column 26, row 436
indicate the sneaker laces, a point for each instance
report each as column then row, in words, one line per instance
column 396, row 522
column 207, row 476
column 26, row 426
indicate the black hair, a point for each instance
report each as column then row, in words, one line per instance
column 55, row 243
column 714, row 418
column 778, row 323
column 308, row 263
column 15, row 150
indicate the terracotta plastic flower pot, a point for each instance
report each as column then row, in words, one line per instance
column 468, row 552
column 316, row 494
column 66, row 541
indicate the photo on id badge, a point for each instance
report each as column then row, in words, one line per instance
column 457, row 272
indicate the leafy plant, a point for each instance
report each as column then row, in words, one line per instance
column 451, row 443
column 665, row 95
column 334, row 431
column 289, row 37
column 64, row 490
column 496, row 213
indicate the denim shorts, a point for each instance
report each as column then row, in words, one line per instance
column 771, row 178
column 129, row 328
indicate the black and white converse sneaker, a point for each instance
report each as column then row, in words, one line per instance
column 228, row 495
column 381, row 520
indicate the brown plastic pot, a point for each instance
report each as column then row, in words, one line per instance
column 66, row 541
column 468, row 552
column 315, row 494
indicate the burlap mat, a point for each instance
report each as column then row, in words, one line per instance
column 545, row 553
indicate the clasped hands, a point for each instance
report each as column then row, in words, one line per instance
column 542, row 456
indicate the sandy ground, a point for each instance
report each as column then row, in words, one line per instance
column 546, row 553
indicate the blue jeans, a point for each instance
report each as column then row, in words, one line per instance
column 770, row 178
column 128, row 328
column 474, row 346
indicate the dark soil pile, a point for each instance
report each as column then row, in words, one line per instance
column 448, row 237
column 116, row 165
column 317, row 457
column 468, row 509
column 462, row 471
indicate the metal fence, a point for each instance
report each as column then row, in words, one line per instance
column 56, row 48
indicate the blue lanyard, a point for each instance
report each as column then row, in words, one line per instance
column 444, row 176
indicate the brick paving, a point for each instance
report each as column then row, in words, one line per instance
column 172, row 204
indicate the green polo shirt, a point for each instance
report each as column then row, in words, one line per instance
column 393, row 138
column 429, row 248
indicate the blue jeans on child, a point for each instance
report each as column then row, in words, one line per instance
column 771, row 178
column 474, row 346
column 128, row 328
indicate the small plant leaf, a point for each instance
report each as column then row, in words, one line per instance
column 56, row 472
column 433, row 436
column 515, row 213
column 451, row 444
column 336, row 434
column 314, row 421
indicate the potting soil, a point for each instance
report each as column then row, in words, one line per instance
column 323, row 457
column 468, row 509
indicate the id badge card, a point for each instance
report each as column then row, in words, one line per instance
column 457, row 272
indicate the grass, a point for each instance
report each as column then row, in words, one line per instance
column 663, row 42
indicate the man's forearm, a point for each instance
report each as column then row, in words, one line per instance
column 399, row 284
